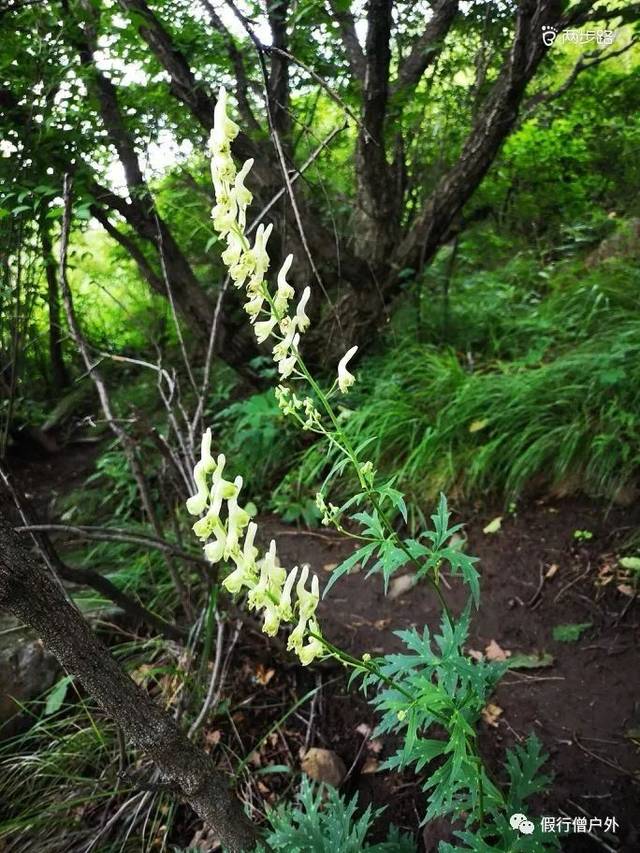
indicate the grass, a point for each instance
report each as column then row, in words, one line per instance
column 544, row 391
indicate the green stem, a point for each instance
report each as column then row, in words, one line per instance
column 347, row 447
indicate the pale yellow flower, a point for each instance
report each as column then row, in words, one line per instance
column 301, row 317
column 346, row 379
column 286, row 609
column 313, row 649
column 197, row 504
column 264, row 328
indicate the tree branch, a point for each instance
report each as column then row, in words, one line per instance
column 582, row 64
column 240, row 71
column 352, row 48
column 83, row 577
column 278, row 82
column 496, row 118
column 427, row 46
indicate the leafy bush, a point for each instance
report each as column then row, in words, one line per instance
column 324, row 822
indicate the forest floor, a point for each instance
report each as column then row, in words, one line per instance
column 582, row 702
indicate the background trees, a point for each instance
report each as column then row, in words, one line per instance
column 428, row 94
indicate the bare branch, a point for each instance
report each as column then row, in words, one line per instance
column 237, row 60
column 128, row 445
column 586, row 61
column 115, row 534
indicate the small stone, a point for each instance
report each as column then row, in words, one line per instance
column 324, row 765
column 399, row 586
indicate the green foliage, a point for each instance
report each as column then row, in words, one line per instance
column 437, row 684
column 551, row 402
column 570, row 633
column 254, row 433
column 582, row 535
column 61, row 782
column 324, row 822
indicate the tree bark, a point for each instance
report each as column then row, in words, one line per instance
column 427, row 46
column 58, row 367
column 495, row 121
column 377, row 221
column 30, row 594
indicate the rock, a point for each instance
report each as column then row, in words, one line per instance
column 324, row 765
column 399, row 586
column 27, row 670
column 624, row 242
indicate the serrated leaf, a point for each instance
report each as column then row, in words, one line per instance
column 363, row 554
column 390, row 559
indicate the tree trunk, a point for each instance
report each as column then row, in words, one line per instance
column 59, row 372
column 31, row 595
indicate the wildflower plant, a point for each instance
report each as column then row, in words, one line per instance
column 435, row 685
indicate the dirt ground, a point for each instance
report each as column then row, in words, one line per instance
column 535, row 576
column 583, row 706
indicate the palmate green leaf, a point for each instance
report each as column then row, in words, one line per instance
column 390, row 559
column 361, row 555
column 417, row 549
column 445, row 784
column 425, row 750
column 371, row 524
column 463, row 564
column 442, row 532
column 324, row 822
column 395, row 497
column 459, row 732
column 523, row 766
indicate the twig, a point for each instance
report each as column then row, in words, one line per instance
column 331, row 92
column 83, row 577
column 47, row 553
column 588, row 832
column 174, row 313
column 298, row 173
column 536, row 594
column 625, row 609
column 213, row 682
column 357, row 758
column 572, row 583
column 606, row 761
column 128, row 446
column 281, row 158
column 312, row 711
column 113, row 534
column 215, row 325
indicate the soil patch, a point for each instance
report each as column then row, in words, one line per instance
column 536, row 575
